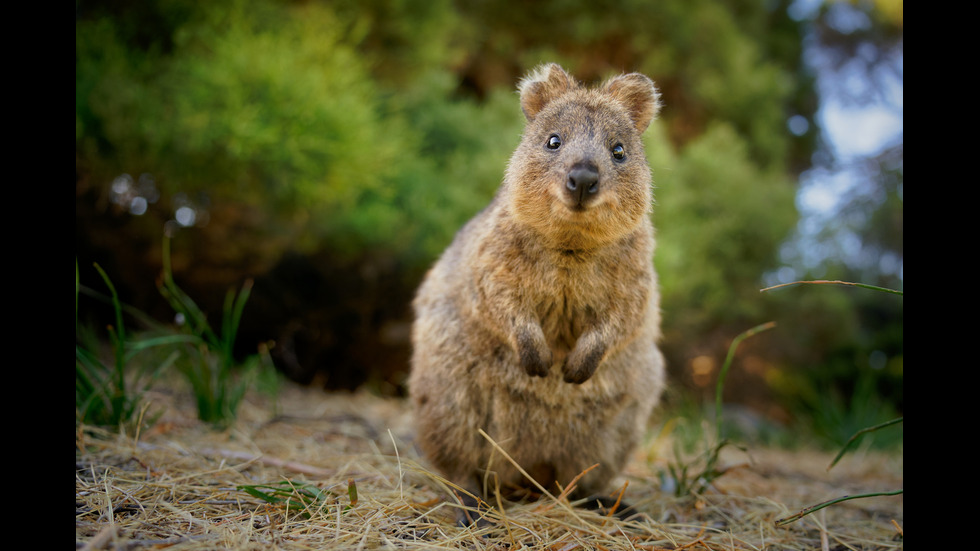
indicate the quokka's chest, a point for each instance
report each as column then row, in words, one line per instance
column 568, row 305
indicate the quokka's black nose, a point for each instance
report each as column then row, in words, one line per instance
column 583, row 181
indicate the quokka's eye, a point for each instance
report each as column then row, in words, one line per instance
column 618, row 152
column 554, row 142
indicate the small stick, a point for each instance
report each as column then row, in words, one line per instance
column 619, row 499
column 574, row 481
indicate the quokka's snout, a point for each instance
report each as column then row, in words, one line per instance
column 582, row 183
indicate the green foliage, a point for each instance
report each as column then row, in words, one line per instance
column 209, row 363
column 299, row 496
column 735, row 76
column 345, row 119
column 694, row 475
column 720, row 217
column 691, row 476
column 274, row 105
column 849, row 388
column 868, row 401
column 110, row 394
column 833, row 411
column 238, row 107
column 858, row 435
column 100, row 390
column 720, row 385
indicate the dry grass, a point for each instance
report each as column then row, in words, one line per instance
column 177, row 487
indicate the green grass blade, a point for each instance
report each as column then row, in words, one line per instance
column 254, row 491
column 719, row 386
column 293, row 495
column 90, row 384
column 181, row 302
column 817, row 507
column 233, row 310
column 164, row 340
column 118, row 335
column 857, row 435
column 352, row 492
column 829, row 282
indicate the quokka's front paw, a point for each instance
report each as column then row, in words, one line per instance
column 533, row 351
column 583, row 361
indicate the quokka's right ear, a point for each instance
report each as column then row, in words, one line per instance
column 638, row 94
column 543, row 85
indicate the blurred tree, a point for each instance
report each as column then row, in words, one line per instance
column 852, row 372
column 270, row 122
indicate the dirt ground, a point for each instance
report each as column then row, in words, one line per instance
column 182, row 485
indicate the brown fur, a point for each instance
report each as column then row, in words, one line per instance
column 540, row 321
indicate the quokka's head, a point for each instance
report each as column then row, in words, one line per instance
column 580, row 174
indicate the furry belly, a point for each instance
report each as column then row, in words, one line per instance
column 557, row 442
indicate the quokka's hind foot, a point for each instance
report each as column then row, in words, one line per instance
column 472, row 513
